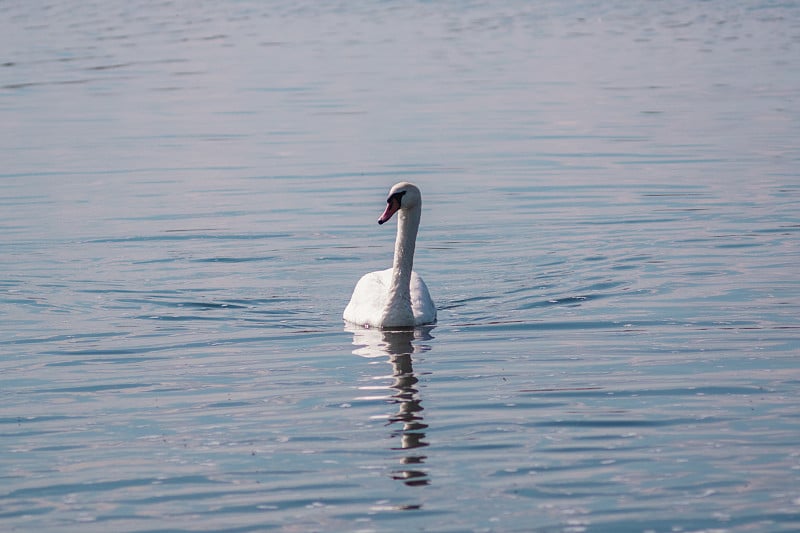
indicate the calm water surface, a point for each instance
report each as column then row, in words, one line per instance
column 189, row 193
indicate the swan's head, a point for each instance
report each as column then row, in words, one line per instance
column 403, row 195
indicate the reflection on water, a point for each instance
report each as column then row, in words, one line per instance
column 409, row 414
column 408, row 422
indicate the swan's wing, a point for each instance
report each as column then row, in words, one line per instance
column 421, row 302
column 369, row 299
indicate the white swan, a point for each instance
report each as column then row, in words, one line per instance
column 396, row 297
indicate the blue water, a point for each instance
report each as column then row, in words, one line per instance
column 189, row 193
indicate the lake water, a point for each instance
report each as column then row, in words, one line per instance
column 611, row 233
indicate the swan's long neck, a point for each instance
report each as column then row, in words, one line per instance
column 399, row 301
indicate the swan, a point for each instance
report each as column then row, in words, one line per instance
column 396, row 297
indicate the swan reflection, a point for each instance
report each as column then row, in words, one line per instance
column 408, row 424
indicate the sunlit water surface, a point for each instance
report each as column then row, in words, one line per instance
column 189, row 193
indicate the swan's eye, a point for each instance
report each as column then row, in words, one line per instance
column 396, row 196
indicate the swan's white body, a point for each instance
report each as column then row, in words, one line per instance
column 396, row 297
column 372, row 305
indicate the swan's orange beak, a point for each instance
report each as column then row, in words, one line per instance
column 393, row 204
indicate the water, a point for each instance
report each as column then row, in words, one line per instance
column 189, row 193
